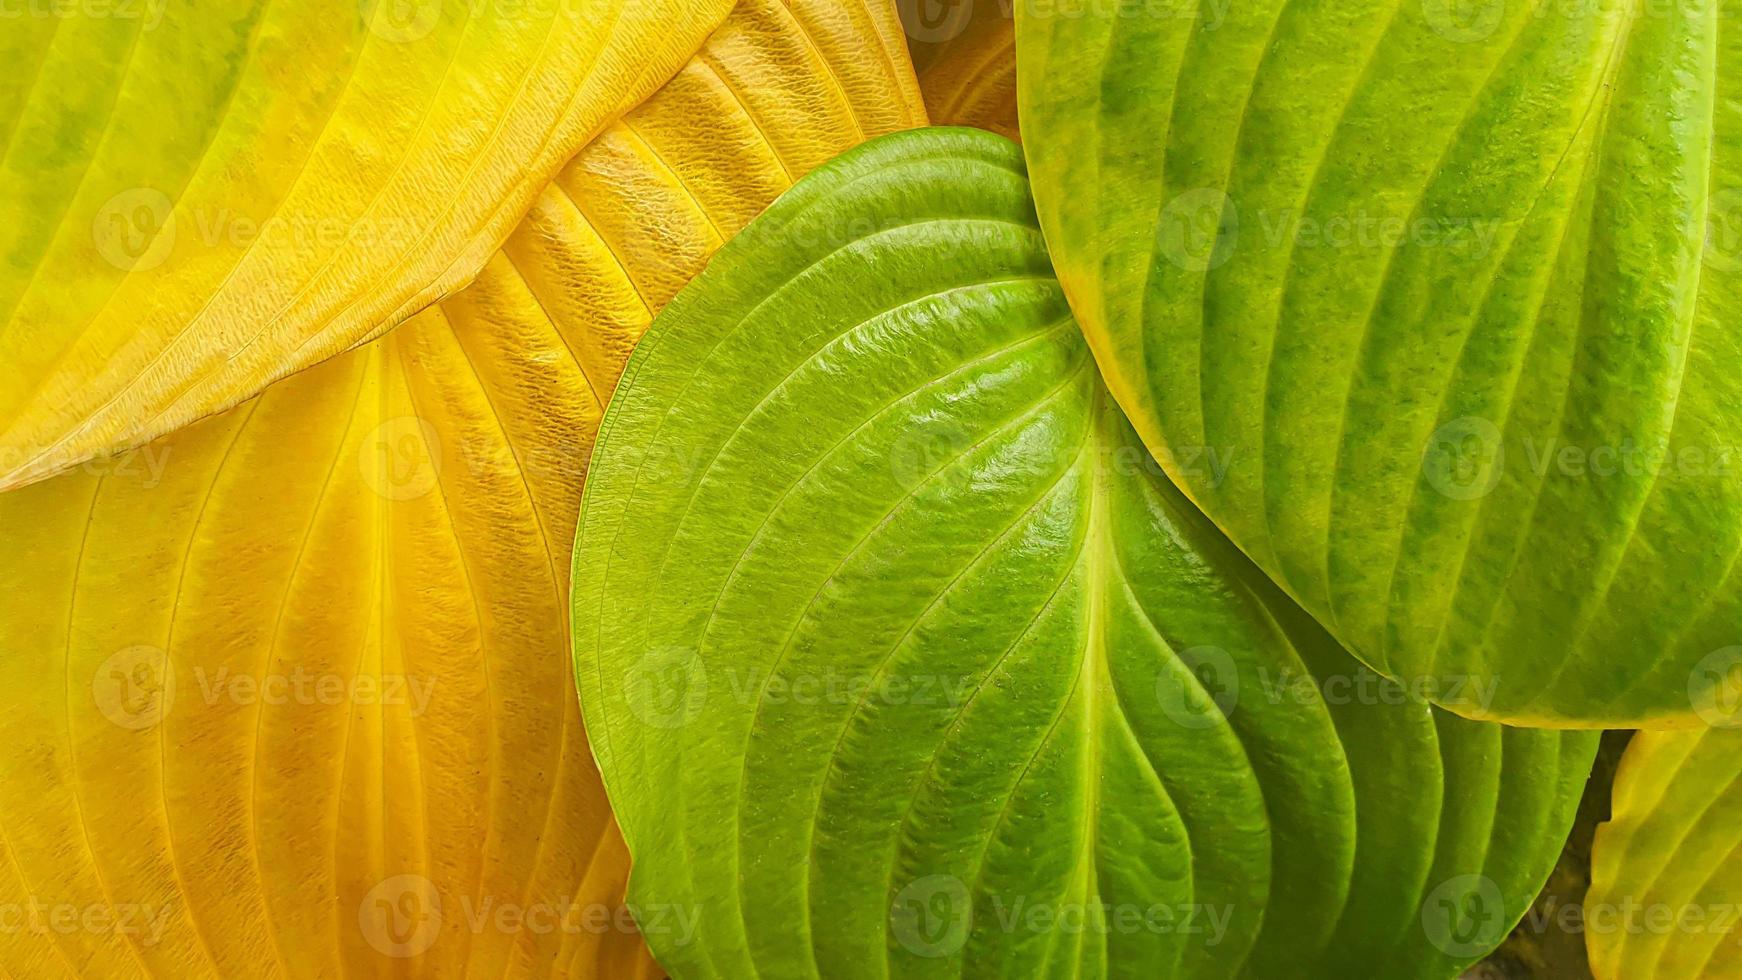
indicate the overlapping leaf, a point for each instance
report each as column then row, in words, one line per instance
column 1666, row 871
column 966, row 55
column 899, row 656
column 197, row 199
column 1432, row 307
column 286, row 693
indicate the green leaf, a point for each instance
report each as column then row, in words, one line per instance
column 900, row 657
column 1666, row 871
column 1450, row 290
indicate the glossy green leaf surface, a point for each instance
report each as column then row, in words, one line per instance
column 900, row 657
column 1433, row 308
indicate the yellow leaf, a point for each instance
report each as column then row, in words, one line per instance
column 287, row 693
column 1665, row 901
column 966, row 55
column 199, row 198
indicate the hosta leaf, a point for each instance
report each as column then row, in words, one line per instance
column 969, row 77
column 197, row 199
column 195, row 727
column 1417, row 300
column 1666, row 871
column 894, row 648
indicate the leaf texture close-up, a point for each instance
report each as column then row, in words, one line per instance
column 289, row 690
column 205, row 197
column 1452, row 290
column 899, row 655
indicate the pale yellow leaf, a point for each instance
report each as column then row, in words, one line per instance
column 199, row 198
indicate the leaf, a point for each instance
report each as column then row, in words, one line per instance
column 1449, row 287
column 970, row 77
column 894, row 647
column 283, row 684
column 203, row 198
column 1666, row 870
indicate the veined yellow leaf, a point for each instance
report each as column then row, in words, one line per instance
column 197, row 199
column 969, row 76
column 287, row 693
column 1666, row 870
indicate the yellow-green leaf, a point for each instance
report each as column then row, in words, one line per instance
column 289, row 689
column 197, row 199
column 1666, row 870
